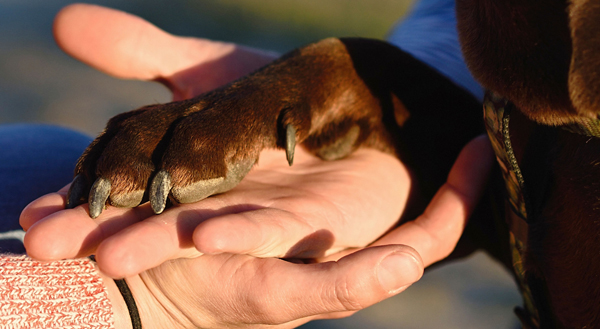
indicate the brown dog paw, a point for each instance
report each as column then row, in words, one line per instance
column 186, row 151
column 332, row 97
column 183, row 151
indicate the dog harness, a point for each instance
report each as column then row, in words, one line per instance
column 496, row 112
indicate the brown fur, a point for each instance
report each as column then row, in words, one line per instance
column 521, row 50
column 323, row 89
column 544, row 56
column 584, row 74
column 562, row 177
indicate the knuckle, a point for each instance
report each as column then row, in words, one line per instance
column 346, row 295
column 255, row 308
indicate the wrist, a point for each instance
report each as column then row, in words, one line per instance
column 64, row 293
column 152, row 313
column 155, row 310
column 121, row 316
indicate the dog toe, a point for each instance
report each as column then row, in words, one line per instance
column 78, row 192
column 201, row 189
column 159, row 191
column 99, row 194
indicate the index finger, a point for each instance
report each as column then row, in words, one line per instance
column 57, row 233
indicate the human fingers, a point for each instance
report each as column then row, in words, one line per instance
column 125, row 241
column 295, row 291
column 56, row 233
column 126, row 46
column 41, row 208
column 250, row 219
column 435, row 233
column 303, row 211
column 352, row 283
column 262, row 233
column 156, row 239
column 257, row 230
column 321, row 208
column 69, row 233
column 106, row 39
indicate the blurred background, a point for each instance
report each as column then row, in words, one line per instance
column 38, row 83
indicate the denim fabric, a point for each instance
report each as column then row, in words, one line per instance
column 429, row 33
column 34, row 160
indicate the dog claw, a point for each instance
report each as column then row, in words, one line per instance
column 290, row 143
column 98, row 195
column 159, row 191
column 76, row 193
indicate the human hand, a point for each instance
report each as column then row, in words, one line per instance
column 311, row 201
column 226, row 290
column 283, row 295
column 309, row 210
column 126, row 245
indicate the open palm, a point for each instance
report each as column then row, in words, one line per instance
column 204, row 264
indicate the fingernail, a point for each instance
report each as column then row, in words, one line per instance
column 398, row 270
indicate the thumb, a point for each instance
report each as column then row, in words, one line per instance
column 373, row 274
column 128, row 47
column 117, row 43
column 352, row 283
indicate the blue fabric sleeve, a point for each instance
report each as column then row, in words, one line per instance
column 429, row 33
column 34, row 160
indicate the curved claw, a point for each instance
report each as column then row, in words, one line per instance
column 77, row 192
column 159, row 191
column 98, row 195
column 290, row 143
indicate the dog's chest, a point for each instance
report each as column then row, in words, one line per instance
column 552, row 183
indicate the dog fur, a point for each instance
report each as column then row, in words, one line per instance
column 545, row 58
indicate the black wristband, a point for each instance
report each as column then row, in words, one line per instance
column 136, row 322
column 130, row 302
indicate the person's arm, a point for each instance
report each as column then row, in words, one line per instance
column 67, row 294
column 229, row 287
column 429, row 33
column 225, row 290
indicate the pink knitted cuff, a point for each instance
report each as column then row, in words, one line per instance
column 61, row 294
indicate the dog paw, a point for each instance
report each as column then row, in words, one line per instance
column 179, row 152
column 183, row 152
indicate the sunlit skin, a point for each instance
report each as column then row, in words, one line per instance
column 213, row 263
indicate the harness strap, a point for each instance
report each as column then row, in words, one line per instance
column 496, row 112
column 586, row 127
column 523, row 208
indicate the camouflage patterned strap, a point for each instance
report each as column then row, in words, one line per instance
column 587, row 127
column 496, row 111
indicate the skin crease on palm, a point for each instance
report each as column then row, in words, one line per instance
column 195, row 250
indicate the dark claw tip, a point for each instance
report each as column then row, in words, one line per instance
column 77, row 192
column 290, row 143
column 98, row 195
column 159, row 191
